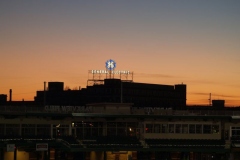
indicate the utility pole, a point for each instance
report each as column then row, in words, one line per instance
column 121, row 92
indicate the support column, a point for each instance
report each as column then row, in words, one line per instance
column 20, row 129
column 231, row 157
column 38, row 155
column 198, row 156
column 56, row 154
column 230, row 132
column 169, row 155
column 51, row 134
column 105, row 156
column 15, row 154
column 116, row 130
column 2, row 154
column 70, row 130
column 187, row 156
column 45, row 155
column 104, row 129
column 48, row 154
column 4, row 130
column 36, row 130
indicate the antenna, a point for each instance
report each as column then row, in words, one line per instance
column 44, row 92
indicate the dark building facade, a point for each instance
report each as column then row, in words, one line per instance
column 116, row 91
column 3, row 98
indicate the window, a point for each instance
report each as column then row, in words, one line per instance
column 12, row 129
column 2, row 129
column 43, row 129
column 149, row 128
column 215, row 129
column 206, row 129
column 178, row 128
column 121, row 124
column 198, row 128
column 121, row 131
column 132, row 124
column 192, row 128
column 94, row 131
column 164, row 128
column 235, row 131
column 111, row 131
column 157, row 128
column 184, row 128
column 171, row 128
column 121, row 128
column 111, row 124
column 28, row 129
column 62, row 130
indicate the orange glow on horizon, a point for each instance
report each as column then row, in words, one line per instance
column 162, row 42
column 20, row 93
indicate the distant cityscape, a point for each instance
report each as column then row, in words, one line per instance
column 113, row 90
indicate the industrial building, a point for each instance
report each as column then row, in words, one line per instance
column 116, row 120
column 116, row 131
column 116, row 91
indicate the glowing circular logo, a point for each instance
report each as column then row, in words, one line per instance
column 110, row 64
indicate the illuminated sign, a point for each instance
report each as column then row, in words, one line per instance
column 77, row 109
column 41, row 147
column 108, row 72
column 110, row 66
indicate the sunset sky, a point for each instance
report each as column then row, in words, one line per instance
column 164, row 42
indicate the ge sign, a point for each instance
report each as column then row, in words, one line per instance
column 110, row 64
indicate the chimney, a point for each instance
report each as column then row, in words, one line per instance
column 10, row 95
column 44, row 96
column 44, row 86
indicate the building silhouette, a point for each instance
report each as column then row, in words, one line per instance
column 117, row 120
column 116, row 91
